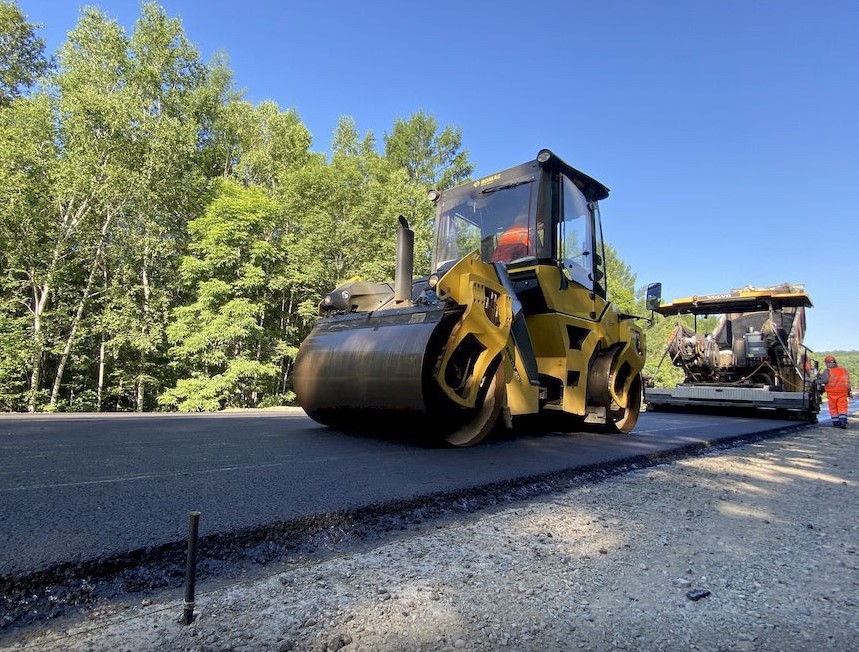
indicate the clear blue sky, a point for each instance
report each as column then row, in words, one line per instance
column 727, row 131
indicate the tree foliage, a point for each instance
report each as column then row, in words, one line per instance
column 620, row 283
column 165, row 242
column 429, row 156
column 225, row 341
column 22, row 53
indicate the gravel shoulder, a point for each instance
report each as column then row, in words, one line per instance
column 752, row 548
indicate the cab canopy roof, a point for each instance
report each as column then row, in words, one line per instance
column 592, row 189
column 747, row 299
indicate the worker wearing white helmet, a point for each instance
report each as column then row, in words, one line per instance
column 836, row 383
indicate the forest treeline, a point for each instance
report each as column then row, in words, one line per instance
column 164, row 243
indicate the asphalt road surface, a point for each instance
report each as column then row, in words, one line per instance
column 79, row 487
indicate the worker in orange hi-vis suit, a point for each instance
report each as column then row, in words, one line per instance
column 515, row 242
column 512, row 244
column 836, row 383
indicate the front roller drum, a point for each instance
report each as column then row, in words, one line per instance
column 375, row 373
column 354, row 369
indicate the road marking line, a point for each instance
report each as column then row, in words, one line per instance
column 141, row 476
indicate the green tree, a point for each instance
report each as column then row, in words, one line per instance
column 276, row 143
column 620, row 282
column 22, row 53
column 265, row 148
column 174, row 99
column 350, row 209
column 226, row 340
column 54, row 220
column 225, row 130
column 432, row 158
column 103, row 175
column 28, row 257
column 89, row 187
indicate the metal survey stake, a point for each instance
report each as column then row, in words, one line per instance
column 190, row 568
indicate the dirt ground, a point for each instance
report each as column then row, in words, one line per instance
column 752, row 548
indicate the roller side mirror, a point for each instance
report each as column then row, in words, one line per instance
column 653, row 298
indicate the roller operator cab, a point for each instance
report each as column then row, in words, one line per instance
column 514, row 320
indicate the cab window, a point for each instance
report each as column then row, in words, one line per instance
column 574, row 236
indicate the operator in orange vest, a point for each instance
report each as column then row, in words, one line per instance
column 514, row 242
column 836, row 383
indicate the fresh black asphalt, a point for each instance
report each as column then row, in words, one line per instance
column 75, row 488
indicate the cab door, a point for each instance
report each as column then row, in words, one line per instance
column 599, row 263
column 577, row 252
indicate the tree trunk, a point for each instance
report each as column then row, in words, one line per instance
column 141, row 393
column 101, row 365
column 94, row 266
column 102, row 357
column 285, row 320
column 41, row 292
column 147, row 294
column 40, row 300
column 261, row 324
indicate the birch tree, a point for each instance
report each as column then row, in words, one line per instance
column 431, row 156
column 173, row 99
column 28, row 154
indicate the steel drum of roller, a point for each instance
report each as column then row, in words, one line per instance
column 368, row 364
column 375, row 372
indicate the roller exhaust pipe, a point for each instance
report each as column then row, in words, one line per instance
column 405, row 262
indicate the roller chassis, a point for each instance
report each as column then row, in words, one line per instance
column 482, row 341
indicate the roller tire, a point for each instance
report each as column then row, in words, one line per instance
column 481, row 421
column 623, row 420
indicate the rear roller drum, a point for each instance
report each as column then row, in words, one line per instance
column 623, row 420
column 479, row 422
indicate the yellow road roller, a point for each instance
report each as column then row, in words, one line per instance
column 514, row 321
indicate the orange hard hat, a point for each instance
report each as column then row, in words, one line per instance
column 829, row 358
